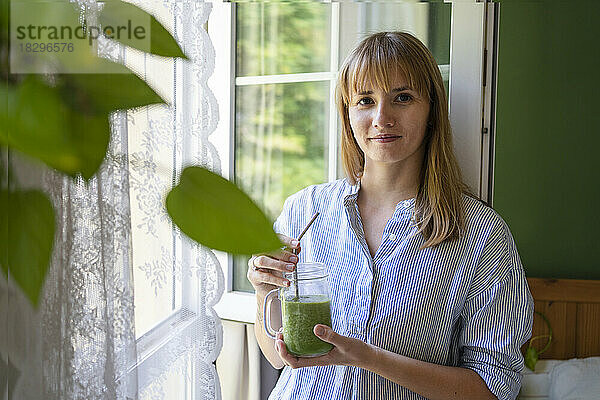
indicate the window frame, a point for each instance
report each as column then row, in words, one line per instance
column 471, row 103
column 162, row 340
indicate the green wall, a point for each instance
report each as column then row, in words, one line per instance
column 548, row 135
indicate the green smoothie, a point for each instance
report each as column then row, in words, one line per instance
column 299, row 318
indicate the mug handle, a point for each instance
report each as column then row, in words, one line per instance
column 267, row 313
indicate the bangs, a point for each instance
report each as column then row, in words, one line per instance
column 374, row 65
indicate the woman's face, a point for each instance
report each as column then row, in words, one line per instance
column 389, row 126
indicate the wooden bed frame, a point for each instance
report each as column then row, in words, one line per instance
column 572, row 307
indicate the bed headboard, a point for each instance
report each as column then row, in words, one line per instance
column 572, row 307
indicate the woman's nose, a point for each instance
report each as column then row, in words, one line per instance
column 383, row 117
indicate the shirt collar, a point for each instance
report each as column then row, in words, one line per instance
column 403, row 207
column 350, row 198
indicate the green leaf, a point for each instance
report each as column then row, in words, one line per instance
column 118, row 13
column 162, row 43
column 104, row 93
column 4, row 11
column 37, row 122
column 80, row 57
column 216, row 213
column 3, row 173
column 26, row 238
column 4, row 231
column 531, row 358
column 89, row 135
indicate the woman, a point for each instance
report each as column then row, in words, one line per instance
column 428, row 294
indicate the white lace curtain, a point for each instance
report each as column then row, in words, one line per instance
column 127, row 310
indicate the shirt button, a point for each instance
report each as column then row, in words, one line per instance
column 392, row 236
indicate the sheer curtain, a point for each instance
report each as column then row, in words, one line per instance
column 127, row 310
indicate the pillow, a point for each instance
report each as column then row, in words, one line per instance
column 536, row 385
column 576, row 379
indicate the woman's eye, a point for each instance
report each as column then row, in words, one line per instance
column 364, row 101
column 404, row 97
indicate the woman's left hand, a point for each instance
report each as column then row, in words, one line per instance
column 346, row 350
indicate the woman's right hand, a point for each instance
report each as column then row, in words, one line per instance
column 265, row 271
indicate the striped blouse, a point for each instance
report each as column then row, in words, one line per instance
column 463, row 303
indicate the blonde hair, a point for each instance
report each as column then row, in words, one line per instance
column 439, row 212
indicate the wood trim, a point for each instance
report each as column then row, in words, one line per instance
column 573, row 308
column 562, row 317
column 588, row 329
column 568, row 290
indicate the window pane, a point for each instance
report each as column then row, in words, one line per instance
column 280, row 145
column 157, row 265
column 282, row 38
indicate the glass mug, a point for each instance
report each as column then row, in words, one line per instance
column 300, row 314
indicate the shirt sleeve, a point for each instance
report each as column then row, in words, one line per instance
column 296, row 212
column 497, row 319
column 283, row 223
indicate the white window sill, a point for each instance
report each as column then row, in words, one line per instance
column 237, row 306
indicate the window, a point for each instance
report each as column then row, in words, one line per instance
column 275, row 82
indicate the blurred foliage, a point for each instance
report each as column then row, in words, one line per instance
column 282, row 38
column 161, row 41
column 63, row 121
column 281, row 140
column 26, row 245
column 214, row 212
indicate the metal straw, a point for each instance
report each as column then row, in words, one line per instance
column 295, row 251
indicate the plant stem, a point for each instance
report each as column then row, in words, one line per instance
column 549, row 335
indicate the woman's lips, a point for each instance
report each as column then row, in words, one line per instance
column 385, row 139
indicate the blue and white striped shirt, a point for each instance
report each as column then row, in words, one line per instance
column 463, row 303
